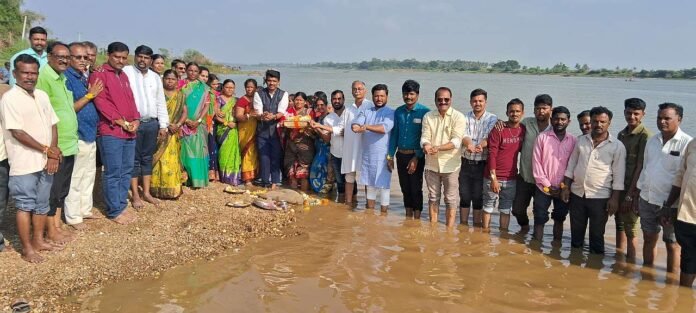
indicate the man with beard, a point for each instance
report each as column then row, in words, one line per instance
column 37, row 38
column 52, row 81
column 31, row 138
column 526, row 185
column 78, row 204
column 595, row 174
column 501, row 170
column 404, row 146
column 375, row 124
column 334, row 124
column 664, row 153
column 149, row 99
column 443, row 131
column 117, row 127
column 352, row 151
column 552, row 151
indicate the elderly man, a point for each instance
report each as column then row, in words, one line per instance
column 404, row 146
column 31, row 138
column 149, row 99
column 375, row 124
column 352, row 151
column 38, row 37
column 663, row 154
column 117, row 127
column 78, row 204
column 52, row 81
column 595, row 174
column 443, row 131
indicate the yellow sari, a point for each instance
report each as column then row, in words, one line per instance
column 166, row 172
column 247, row 143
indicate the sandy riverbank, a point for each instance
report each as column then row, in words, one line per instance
column 197, row 226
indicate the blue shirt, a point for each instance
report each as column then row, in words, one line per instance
column 374, row 171
column 406, row 133
column 87, row 118
column 5, row 75
column 43, row 60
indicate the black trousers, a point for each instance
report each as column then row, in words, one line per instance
column 583, row 210
column 471, row 184
column 411, row 184
column 61, row 184
column 524, row 192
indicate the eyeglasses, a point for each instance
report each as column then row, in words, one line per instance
column 61, row 57
column 80, row 57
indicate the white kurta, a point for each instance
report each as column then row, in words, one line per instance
column 351, row 141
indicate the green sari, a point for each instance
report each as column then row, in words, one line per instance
column 194, row 141
column 228, row 141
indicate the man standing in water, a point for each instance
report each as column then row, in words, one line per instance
column 474, row 155
column 595, row 174
column 584, row 122
column 552, row 151
column 52, row 81
column 335, row 123
column 404, row 146
column 501, row 171
column 375, row 124
column 664, row 153
column 443, row 131
column 526, row 185
column 31, row 138
column 149, row 99
column 352, row 147
column 38, row 37
column 634, row 137
column 118, row 124
column 270, row 104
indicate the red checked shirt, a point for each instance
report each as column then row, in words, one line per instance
column 115, row 102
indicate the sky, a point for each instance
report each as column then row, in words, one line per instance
column 601, row 33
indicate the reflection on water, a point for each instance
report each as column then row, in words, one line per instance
column 360, row 261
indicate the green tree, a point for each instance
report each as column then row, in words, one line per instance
column 164, row 52
column 193, row 55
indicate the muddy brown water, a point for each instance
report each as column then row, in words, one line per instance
column 357, row 260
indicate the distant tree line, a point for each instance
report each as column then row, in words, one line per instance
column 509, row 66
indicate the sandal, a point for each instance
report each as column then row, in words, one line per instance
column 21, row 306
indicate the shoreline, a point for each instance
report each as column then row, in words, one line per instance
column 196, row 226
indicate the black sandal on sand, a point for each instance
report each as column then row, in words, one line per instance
column 21, row 306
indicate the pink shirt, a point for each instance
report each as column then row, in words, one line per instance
column 116, row 101
column 550, row 158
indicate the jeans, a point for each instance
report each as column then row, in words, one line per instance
column 411, row 184
column 523, row 196
column 31, row 192
column 340, row 178
column 542, row 202
column 471, row 184
column 4, row 194
column 117, row 154
column 61, row 184
column 504, row 198
column 582, row 210
column 145, row 145
column 270, row 154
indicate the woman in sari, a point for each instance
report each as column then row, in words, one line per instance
column 194, row 133
column 320, row 175
column 245, row 116
column 210, row 120
column 166, row 173
column 299, row 149
column 227, row 138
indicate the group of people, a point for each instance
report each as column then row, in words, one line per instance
column 153, row 130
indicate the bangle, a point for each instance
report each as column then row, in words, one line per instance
column 45, row 149
column 90, row 96
column 389, row 157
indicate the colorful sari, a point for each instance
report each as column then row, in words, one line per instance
column 166, row 172
column 228, row 141
column 194, row 141
column 247, row 143
column 213, row 166
column 320, row 175
column 299, row 147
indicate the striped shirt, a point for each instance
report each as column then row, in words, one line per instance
column 478, row 130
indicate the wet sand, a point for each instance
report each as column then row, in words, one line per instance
column 356, row 260
column 198, row 226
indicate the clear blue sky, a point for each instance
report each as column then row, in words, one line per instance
column 602, row 33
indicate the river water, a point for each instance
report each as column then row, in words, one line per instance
column 356, row 260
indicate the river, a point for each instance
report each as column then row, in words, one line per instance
column 356, row 260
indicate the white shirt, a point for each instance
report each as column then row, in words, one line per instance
column 149, row 94
column 352, row 153
column 660, row 165
column 282, row 105
column 596, row 172
column 337, row 124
